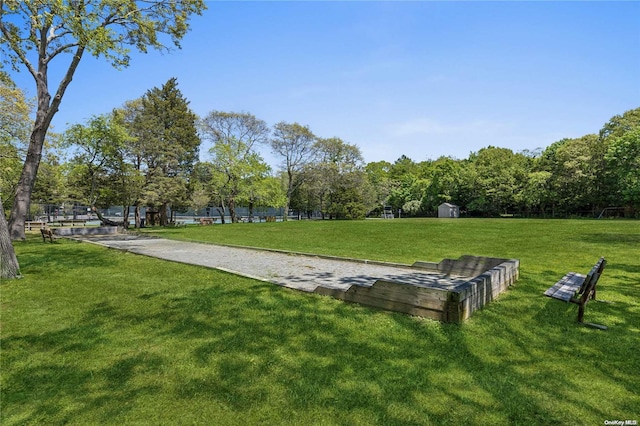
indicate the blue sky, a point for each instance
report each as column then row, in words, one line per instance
column 423, row 79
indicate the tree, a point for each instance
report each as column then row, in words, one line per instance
column 100, row 174
column 296, row 145
column 338, row 180
column 576, row 167
column 444, row 184
column 200, row 186
column 267, row 192
column 618, row 125
column 168, row 145
column 405, row 183
column 499, row 179
column 260, row 189
column 34, row 33
column 379, row 179
column 97, row 143
column 130, row 114
column 535, row 192
column 240, row 168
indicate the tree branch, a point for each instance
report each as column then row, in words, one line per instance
column 16, row 49
column 59, row 50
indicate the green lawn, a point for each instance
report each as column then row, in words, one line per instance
column 96, row 336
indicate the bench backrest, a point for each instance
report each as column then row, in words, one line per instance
column 591, row 279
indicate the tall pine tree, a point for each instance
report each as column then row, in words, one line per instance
column 169, row 142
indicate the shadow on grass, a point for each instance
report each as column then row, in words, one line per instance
column 612, row 238
column 250, row 347
column 550, row 369
column 47, row 373
column 61, row 256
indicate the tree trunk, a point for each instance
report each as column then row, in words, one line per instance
column 163, row 214
column 47, row 108
column 125, row 216
column 24, row 189
column 9, row 267
column 137, row 216
column 104, row 220
column 221, row 212
column 232, row 211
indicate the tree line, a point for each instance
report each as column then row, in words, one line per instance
column 146, row 154
column 571, row 177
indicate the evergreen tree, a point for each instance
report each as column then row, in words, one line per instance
column 169, row 145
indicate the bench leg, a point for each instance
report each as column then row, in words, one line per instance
column 580, row 312
column 588, row 324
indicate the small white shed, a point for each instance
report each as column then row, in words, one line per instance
column 448, row 210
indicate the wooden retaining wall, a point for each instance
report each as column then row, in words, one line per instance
column 488, row 278
column 102, row 230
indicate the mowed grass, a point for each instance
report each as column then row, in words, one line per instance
column 96, row 336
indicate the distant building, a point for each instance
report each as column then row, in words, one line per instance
column 448, row 210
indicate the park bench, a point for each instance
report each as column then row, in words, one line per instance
column 206, row 221
column 579, row 289
column 47, row 233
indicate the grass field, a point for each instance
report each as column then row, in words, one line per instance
column 96, row 336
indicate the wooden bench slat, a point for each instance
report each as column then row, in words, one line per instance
column 567, row 287
column 594, row 274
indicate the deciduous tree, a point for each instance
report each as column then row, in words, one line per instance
column 101, row 175
column 576, row 167
column 295, row 144
column 499, row 178
column 619, row 124
column 339, row 181
column 239, row 167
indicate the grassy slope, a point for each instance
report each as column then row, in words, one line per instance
column 93, row 336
